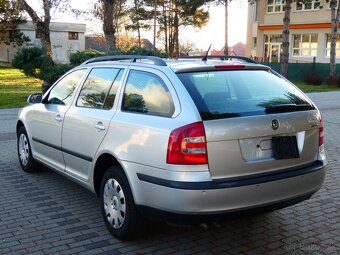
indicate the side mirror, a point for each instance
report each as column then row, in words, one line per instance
column 34, row 98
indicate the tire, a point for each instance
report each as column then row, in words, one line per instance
column 27, row 162
column 118, row 207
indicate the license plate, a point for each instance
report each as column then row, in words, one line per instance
column 285, row 147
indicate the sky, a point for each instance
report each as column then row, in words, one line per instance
column 213, row 32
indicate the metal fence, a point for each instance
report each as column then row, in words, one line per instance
column 299, row 71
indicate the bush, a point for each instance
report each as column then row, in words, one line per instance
column 313, row 79
column 31, row 60
column 146, row 52
column 51, row 74
column 35, row 62
column 81, row 56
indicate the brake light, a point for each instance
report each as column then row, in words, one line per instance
column 321, row 139
column 187, row 145
column 230, row 67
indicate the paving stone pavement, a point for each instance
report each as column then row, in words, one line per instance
column 44, row 213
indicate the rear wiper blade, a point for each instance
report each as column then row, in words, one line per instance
column 277, row 108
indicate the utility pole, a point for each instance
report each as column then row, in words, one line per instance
column 226, row 2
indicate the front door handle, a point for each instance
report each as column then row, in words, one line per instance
column 100, row 126
column 58, row 118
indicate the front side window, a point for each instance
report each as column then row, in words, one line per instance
column 307, row 6
column 237, row 93
column 62, row 92
column 305, row 44
column 96, row 88
column 147, row 93
column 274, row 6
column 328, row 45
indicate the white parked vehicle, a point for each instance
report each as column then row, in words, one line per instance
column 181, row 137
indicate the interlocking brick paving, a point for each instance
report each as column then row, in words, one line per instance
column 44, row 213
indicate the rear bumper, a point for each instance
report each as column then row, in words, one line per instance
column 156, row 214
column 209, row 197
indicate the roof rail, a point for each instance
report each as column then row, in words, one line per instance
column 221, row 57
column 156, row 60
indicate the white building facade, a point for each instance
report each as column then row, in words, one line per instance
column 66, row 38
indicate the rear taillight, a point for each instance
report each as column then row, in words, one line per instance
column 187, row 145
column 321, row 140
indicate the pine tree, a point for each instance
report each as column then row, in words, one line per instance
column 10, row 18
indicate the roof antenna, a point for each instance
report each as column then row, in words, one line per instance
column 205, row 58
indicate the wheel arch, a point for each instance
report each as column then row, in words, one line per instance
column 19, row 125
column 103, row 162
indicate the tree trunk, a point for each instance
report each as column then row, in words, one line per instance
column 42, row 26
column 226, row 47
column 165, row 13
column 45, row 34
column 137, row 23
column 43, row 29
column 171, row 39
column 335, row 12
column 139, row 38
column 108, row 27
column 284, row 56
column 154, row 25
column 176, row 36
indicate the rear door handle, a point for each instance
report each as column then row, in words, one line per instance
column 100, row 126
column 58, row 118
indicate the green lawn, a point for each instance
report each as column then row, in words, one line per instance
column 314, row 88
column 15, row 87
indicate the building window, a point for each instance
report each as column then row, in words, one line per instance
column 329, row 4
column 274, row 6
column 305, row 44
column 73, row 35
column 254, row 42
column 273, row 38
column 313, row 5
column 255, row 11
column 272, row 47
column 328, row 45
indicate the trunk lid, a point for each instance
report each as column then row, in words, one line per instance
column 243, row 147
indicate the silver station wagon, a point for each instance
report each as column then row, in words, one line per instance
column 187, row 137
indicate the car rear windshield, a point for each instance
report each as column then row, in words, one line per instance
column 237, row 93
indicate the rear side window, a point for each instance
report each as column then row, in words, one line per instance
column 99, row 89
column 147, row 93
column 236, row 93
